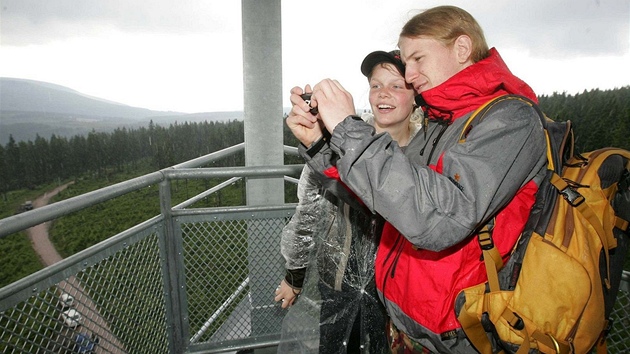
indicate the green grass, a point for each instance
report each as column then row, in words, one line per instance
column 18, row 258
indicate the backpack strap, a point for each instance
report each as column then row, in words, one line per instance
column 491, row 256
column 475, row 332
column 472, row 325
column 621, row 224
column 479, row 114
column 576, row 200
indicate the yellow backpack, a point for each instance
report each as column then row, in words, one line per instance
column 556, row 292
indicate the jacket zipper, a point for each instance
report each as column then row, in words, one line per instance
column 444, row 125
column 390, row 271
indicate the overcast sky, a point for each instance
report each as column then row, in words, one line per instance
column 186, row 55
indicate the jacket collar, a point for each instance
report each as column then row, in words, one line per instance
column 472, row 87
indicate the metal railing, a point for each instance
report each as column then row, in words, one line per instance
column 190, row 280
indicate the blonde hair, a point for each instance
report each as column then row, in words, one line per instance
column 417, row 116
column 446, row 24
column 416, row 121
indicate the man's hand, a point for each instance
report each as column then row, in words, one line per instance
column 333, row 102
column 303, row 124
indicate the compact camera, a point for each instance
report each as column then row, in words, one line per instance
column 307, row 98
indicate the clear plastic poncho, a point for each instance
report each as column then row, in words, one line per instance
column 338, row 310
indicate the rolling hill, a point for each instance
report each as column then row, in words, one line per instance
column 29, row 108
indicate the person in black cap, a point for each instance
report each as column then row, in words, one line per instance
column 340, row 237
column 385, row 72
column 381, row 57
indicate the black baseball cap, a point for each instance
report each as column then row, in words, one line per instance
column 379, row 56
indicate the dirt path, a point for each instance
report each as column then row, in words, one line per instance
column 93, row 321
column 38, row 234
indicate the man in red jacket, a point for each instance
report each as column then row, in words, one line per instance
column 435, row 200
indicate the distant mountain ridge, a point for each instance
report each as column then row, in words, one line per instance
column 29, row 108
column 36, row 96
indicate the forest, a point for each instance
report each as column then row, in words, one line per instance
column 27, row 164
column 600, row 118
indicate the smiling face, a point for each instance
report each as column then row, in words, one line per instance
column 429, row 62
column 391, row 98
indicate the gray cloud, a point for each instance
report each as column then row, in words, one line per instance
column 560, row 28
column 25, row 22
column 554, row 29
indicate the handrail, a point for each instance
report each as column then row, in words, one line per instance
column 37, row 216
column 53, row 273
column 220, row 311
column 183, row 170
column 200, row 196
column 227, row 172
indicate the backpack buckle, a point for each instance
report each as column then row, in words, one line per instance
column 517, row 322
column 485, row 237
column 572, row 196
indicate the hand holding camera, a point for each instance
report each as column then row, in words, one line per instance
column 307, row 98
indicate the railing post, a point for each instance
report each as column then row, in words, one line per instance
column 262, row 74
column 174, row 289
